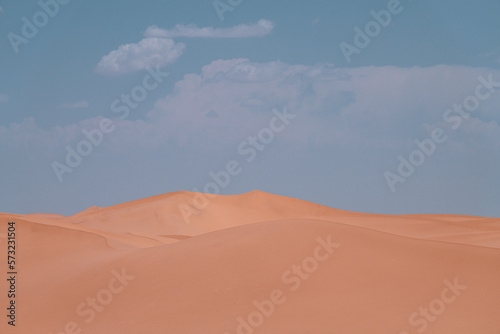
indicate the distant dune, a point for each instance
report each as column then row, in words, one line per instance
column 252, row 263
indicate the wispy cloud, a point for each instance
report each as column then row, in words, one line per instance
column 1, row 9
column 4, row 98
column 158, row 49
column 493, row 55
column 149, row 52
column 261, row 28
column 76, row 105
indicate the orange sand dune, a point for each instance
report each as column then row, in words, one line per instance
column 252, row 263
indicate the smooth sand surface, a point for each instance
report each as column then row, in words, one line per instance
column 251, row 263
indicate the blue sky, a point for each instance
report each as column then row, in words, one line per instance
column 352, row 120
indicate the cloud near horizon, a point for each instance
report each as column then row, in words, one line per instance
column 149, row 52
column 380, row 107
column 262, row 28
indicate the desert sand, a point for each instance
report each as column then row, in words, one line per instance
column 251, row 263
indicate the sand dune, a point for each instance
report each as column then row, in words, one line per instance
column 253, row 263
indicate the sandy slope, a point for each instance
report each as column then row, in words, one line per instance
column 253, row 263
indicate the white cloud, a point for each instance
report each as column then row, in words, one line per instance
column 379, row 107
column 4, row 98
column 158, row 49
column 1, row 9
column 261, row 28
column 149, row 52
column 493, row 54
column 75, row 105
